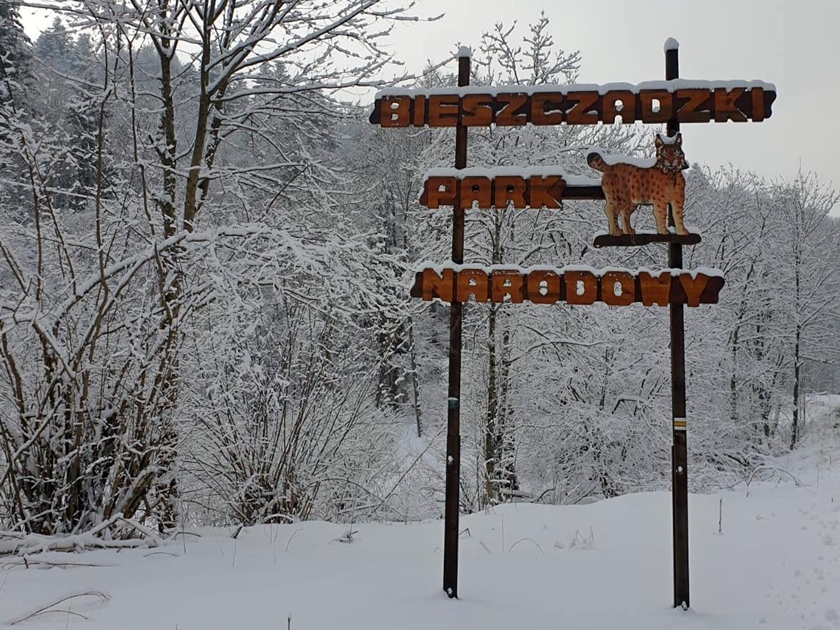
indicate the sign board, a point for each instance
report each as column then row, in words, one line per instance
column 654, row 102
column 626, row 184
column 572, row 284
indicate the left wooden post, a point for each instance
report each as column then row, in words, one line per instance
column 453, row 431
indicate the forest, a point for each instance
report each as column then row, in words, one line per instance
column 206, row 252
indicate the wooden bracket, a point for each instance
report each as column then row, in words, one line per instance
column 640, row 239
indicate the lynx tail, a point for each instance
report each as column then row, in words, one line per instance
column 595, row 161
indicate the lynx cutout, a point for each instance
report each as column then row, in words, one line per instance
column 628, row 185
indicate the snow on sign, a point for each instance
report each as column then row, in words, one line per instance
column 625, row 184
column 510, row 106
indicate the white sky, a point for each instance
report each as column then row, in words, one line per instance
column 792, row 43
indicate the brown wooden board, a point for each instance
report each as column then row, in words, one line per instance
column 572, row 285
column 485, row 192
column 639, row 239
column 685, row 102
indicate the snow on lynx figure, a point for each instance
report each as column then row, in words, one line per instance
column 629, row 183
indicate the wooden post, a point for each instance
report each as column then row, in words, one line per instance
column 453, row 432
column 679, row 452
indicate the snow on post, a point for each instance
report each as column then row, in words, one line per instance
column 671, row 44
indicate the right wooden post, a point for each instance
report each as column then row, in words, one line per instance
column 679, row 448
column 452, row 505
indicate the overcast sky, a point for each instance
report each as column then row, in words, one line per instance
column 792, row 43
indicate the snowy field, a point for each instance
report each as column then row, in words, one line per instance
column 776, row 564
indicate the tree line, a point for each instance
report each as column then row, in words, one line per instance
column 205, row 257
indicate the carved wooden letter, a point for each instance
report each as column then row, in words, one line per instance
column 418, row 116
column 586, row 109
column 477, row 110
column 546, row 108
column 429, row 285
column 693, row 287
column 655, row 289
column 757, row 95
column 726, row 107
column 581, row 287
column 395, row 111
column 611, row 102
column 514, row 112
column 618, row 288
column 476, row 189
column 694, row 106
column 443, row 110
column 472, row 282
column 439, row 191
column 544, row 287
column 504, row 283
column 665, row 101
column 509, row 190
column 546, row 191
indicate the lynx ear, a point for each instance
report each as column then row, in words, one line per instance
column 678, row 140
column 658, row 141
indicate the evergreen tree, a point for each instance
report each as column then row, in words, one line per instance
column 65, row 68
column 15, row 54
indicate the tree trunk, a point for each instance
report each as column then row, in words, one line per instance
column 412, row 353
column 797, row 369
column 491, row 485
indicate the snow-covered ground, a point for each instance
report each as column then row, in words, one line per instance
column 776, row 564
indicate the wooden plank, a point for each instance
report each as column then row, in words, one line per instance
column 574, row 285
column 535, row 191
column 593, row 193
column 639, row 239
column 577, row 105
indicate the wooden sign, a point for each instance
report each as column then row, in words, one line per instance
column 626, row 184
column 573, row 285
column 650, row 102
column 518, row 188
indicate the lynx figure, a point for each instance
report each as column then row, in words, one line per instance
column 627, row 186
